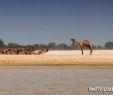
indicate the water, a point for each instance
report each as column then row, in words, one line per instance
column 65, row 80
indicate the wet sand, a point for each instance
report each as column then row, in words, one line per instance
column 60, row 58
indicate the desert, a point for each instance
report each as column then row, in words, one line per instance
column 60, row 58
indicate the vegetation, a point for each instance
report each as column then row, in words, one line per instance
column 2, row 43
column 109, row 45
column 54, row 46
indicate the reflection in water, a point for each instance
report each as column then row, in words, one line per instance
column 63, row 80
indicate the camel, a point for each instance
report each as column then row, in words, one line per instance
column 40, row 51
column 83, row 44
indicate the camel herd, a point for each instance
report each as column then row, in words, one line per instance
column 26, row 51
column 82, row 44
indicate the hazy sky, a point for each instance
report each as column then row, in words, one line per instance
column 44, row 21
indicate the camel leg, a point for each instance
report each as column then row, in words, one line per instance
column 82, row 51
column 90, row 51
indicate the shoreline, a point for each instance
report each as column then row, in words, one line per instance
column 56, row 64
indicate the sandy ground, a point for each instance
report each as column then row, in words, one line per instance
column 52, row 58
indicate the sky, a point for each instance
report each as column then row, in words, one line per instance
column 45, row 21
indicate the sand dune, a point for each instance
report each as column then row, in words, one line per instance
column 69, row 57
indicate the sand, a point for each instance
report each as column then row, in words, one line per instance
column 63, row 57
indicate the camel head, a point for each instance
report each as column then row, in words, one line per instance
column 72, row 40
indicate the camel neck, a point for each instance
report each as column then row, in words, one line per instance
column 76, row 42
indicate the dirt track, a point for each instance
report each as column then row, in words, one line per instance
column 70, row 57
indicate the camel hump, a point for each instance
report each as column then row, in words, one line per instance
column 86, row 41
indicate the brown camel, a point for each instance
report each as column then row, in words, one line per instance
column 83, row 44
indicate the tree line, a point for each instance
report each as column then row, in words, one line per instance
column 54, row 46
